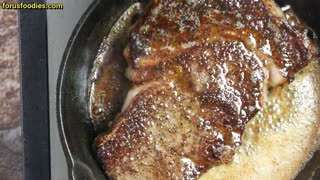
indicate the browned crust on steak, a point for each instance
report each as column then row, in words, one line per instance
column 170, row 24
column 209, row 116
column 204, row 67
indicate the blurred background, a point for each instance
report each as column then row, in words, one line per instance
column 10, row 124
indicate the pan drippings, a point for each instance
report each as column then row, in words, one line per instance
column 283, row 136
column 108, row 87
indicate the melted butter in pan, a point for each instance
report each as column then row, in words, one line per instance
column 284, row 134
column 108, row 86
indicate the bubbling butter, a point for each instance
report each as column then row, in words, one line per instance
column 283, row 136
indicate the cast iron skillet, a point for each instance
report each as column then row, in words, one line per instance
column 76, row 131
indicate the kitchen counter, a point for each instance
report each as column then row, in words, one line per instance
column 10, row 125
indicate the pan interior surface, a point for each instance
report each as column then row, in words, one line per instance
column 76, row 131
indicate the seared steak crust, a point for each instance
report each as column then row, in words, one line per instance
column 200, row 69
column 188, row 121
column 172, row 26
